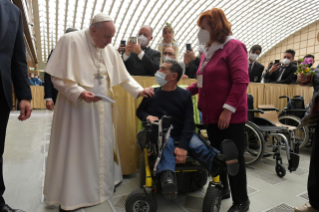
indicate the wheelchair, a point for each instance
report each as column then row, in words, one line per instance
column 265, row 131
column 190, row 176
column 292, row 115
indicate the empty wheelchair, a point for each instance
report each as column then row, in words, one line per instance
column 190, row 176
column 264, row 131
column 292, row 115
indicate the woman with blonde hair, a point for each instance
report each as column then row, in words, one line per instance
column 168, row 40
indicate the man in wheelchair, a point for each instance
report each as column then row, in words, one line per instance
column 173, row 101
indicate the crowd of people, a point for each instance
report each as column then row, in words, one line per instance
column 35, row 80
column 83, row 163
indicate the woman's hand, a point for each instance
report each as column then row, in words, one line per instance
column 224, row 119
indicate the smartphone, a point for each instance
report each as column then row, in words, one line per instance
column 277, row 61
column 133, row 40
column 123, row 42
column 189, row 47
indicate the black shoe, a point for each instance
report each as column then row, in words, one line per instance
column 6, row 208
column 240, row 207
column 225, row 193
column 61, row 210
column 168, row 183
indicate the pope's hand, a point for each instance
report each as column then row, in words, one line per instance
column 89, row 97
column 147, row 92
column 49, row 104
column 181, row 155
column 152, row 118
column 224, row 119
column 25, row 110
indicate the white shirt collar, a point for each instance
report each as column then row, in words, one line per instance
column 215, row 46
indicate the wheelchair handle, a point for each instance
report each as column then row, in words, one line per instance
column 287, row 97
column 256, row 111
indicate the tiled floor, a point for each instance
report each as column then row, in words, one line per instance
column 24, row 164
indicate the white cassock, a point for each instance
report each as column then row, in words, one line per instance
column 80, row 169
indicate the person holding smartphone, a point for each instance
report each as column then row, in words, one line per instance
column 139, row 58
column 192, row 61
column 284, row 72
column 222, row 81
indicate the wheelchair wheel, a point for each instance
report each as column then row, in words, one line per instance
column 140, row 201
column 142, row 171
column 212, row 199
column 301, row 135
column 280, row 170
column 254, row 144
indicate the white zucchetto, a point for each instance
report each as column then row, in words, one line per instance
column 101, row 17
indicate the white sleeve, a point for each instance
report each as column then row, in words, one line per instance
column 125, row 57
column 229, row 107
column 132, row 87
column 69, row 89
column 141, row 55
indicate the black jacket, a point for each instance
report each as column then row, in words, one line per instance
column 256, row 72
column 13, row 62
column 49, row 90
column 191, row 70
column 145, row 67
column 288, row 76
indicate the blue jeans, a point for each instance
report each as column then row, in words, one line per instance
column 199, row 151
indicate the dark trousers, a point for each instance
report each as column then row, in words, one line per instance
column 238, row 183
column 4, row 116
column 313, row 178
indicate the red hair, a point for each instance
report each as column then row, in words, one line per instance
column 220, row 25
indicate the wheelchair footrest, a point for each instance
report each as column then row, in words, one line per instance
column 293, row 162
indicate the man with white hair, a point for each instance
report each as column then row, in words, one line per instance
column 83, row 161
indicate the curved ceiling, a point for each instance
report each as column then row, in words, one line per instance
column 263, row 22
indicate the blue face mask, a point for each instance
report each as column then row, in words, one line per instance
column 160, row 78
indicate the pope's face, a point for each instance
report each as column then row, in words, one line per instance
column 102, row 34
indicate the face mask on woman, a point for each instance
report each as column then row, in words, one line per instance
column 203, row 36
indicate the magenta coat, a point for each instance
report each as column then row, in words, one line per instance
column 225, row 81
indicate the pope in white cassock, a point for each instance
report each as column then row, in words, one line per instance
column 83, row 162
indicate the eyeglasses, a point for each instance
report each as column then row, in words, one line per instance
column 168, row 53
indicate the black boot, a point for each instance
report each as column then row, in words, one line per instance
column 168, row 183
column 243, row 207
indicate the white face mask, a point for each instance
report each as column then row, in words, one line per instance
column 203, row 36
column 32, row 76
column 143, row 40
column 201, row 48
column 253, row 56
column 165, row 57
column 286, row 61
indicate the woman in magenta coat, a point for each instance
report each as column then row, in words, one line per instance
column 222, row 80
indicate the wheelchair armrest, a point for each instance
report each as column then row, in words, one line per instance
column 256, row 111
column 201, row 126
column 146, row 124
column 296, row 110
